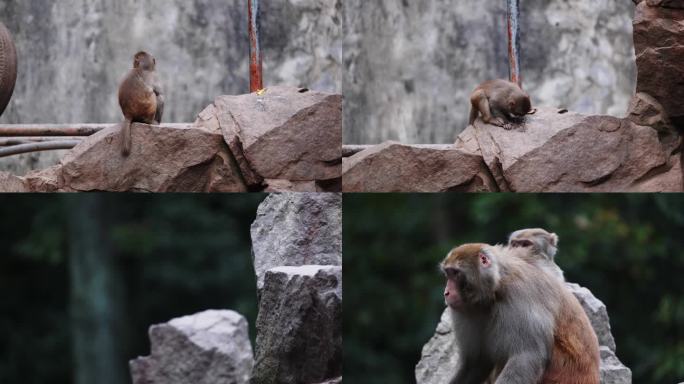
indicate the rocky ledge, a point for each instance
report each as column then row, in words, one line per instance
column 284, row 139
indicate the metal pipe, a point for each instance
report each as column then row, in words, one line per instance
column 514, row 42
column 33, row 130
column 36, row 147
column 7, row 142
column 256, row 81
column 60, row 130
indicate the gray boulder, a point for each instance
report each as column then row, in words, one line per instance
column 440, row 356
column 299, row 327
column 211, row 347
column 297, row 229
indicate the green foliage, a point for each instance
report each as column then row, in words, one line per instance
column 180, row 254
column 627, row 249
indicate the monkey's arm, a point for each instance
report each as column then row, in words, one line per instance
column 523, row 368
column 480, row 101
column 472, row 371
column 160, row 103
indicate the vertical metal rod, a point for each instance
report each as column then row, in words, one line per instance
column 514, row 42
column 256, row 81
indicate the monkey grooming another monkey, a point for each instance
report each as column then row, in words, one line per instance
column 542, row 244
column 499, row 102
column 515, row 320
column 140, row 97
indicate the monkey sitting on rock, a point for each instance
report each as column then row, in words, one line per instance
column 515, row 321
column 140, row 97
column 500, row 102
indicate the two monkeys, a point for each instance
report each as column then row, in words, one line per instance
column 513, row 317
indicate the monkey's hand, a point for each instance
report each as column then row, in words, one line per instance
column 532, row 111
column 499, row 122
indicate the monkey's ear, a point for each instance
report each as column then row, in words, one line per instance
column 553, row 239
column 485, row 261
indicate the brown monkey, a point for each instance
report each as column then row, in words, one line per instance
column 513, row 319
column 140, row 97
column 500, row 102
column 541, row 243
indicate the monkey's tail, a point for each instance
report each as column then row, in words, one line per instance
column 126, row 138
column 473, row 115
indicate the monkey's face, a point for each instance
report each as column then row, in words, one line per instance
column 520, row 105
column 536, row 240
column 469, row 271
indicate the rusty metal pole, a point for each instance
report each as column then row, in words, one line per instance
column 514, row 42
column 256, row 81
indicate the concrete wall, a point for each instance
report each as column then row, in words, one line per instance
column 73, row 53
column 411, row 65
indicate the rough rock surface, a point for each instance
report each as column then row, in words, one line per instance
column 572, row 153
column 646, row 110
column 294, row 229
column 163, row 159
column 659, row 46
column 285, row 133
column 299, row 327
column 553, row 151
column 12, row 184
column 207, row 348
column 440, row 355
column 411, row 65
column 393, row 167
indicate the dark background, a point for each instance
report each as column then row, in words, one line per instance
column 627, row 249
column 83, row 277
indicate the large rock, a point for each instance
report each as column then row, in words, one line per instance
column 440, row 356
column 551, row 151
column 299, row 327
column 211, row 347
column 293, row 229
column 163, row 159
column 659, row 46
column 393, row 167
column 556, row 151
column 285, row 133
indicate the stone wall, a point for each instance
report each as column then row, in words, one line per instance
column 410, row 66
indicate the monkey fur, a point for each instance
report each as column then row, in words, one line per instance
column 499, row 102
column 140, row 97
column 541, row 243
column 514, row 321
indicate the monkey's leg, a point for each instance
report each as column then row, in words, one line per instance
column 126, row 138
column 160, row 109
column 523, row 368
column 483, row 106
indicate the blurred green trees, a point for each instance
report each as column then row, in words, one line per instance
column 627, row 249
column 162, row 256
